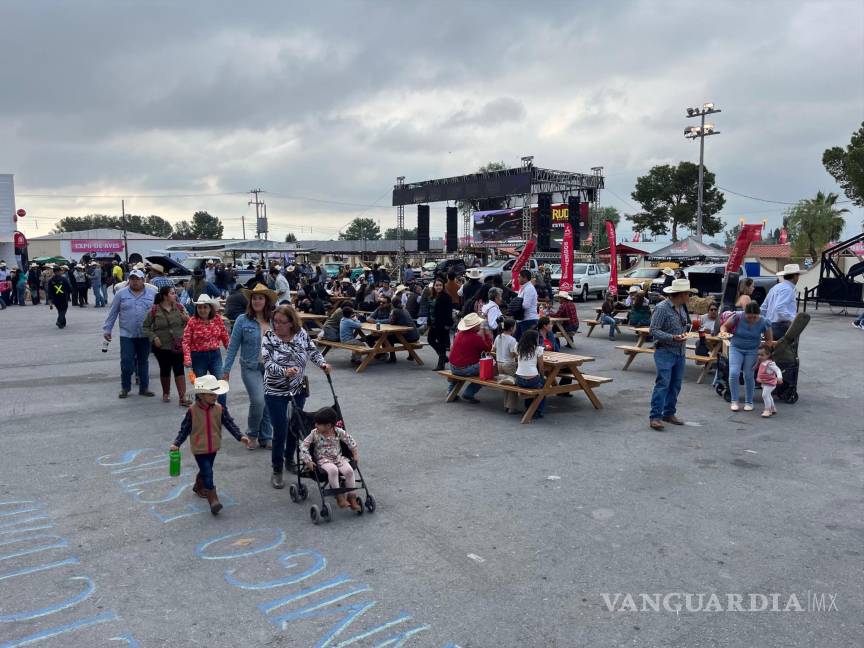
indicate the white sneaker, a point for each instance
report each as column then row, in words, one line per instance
column 748, row 407
column 734, row 407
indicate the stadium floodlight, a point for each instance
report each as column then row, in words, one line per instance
column 701, row 132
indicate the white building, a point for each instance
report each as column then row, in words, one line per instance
column 7, row 218
column 102, row 243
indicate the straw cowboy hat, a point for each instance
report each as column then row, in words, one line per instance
column 669, row 272
column 564, row 295
column 261, row 289
column 470, row 321
column 679, row 286
column 401, row 287
column 634, row 289
column 289, row 268
column 474, row 273
column 208, row 384
column 790, row 269
column 157, row 268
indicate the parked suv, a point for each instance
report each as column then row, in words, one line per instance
column 588, row 278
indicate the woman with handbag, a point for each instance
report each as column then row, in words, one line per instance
column 164, row 326
column 440, row 321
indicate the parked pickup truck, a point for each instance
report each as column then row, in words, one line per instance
column 503, row 267
column 708, row 280
column 588, row 278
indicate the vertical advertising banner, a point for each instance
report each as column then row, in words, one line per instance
column 613, row 258
column 566, row 283
column 526, row 253
column 746, row 236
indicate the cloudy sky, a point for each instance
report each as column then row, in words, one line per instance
column 324, row 104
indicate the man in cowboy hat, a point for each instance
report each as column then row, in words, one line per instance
column 157, row 276
column 781, row 303
column 33, row 281
column 470, row 343
column 566, row 308
column 471, row 287
column 94, row 275
column 669, row 325
column 59, row 290
column 131, row 304
column 668, row 277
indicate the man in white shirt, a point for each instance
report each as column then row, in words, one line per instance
column 781, row 303
column 528, row 293
column 280, row 285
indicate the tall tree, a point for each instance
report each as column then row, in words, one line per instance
column 290, row 238
column 814, row 222
column 183, row 231
column 205, row 226
column 361, row 229
column 470, row 206
column 731, row 235
column 153, row 225
column 847, row 167
column 669, row 194
column 391, row 234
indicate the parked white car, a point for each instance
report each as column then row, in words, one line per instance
column 588, row 278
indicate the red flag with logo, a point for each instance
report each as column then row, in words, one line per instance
column 746, row 236
column 613, row 258
column 784, row 236
column 566, row 283
column 526, row 253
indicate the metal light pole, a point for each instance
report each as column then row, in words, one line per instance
column 701, row 132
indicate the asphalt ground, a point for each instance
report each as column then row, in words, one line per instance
column 486, row 533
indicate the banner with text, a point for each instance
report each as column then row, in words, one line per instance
column 94, row 245
column 613, row 258
column 566, row 283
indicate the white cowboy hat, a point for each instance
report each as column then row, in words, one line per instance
column 158, row 268
column 289, row 268
column 669, row 272
column 346, row 280
column 634, row 289
column 564, row 295
column 204, row 300
column 208, row 384
column 790, row 269
column 474, row 273
column 401, row 287
column 366, row 269
column 679, row 286
column 470, row 321
column 138, row 266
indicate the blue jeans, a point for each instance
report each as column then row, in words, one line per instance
column 778, row 329
column 97, row 293
column 613, row 325
column 859, row 319
column 524, row 325
column 134, row 358
column 471, row 388
column 204, row 362
column 205, row 468
column 742, row 360
column 22, row 292
column 667, row 385
column 536, row 381
column 103, row 288
column 284, row 440
column 259, row 418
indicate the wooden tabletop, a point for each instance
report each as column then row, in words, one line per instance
column 385, row 328
column 311, row 317
column 559, row 319
column 558, row 358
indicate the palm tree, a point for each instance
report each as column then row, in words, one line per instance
column 814, row 222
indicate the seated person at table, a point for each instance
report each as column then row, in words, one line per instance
column 708, row 320
column 385, row 290
column 529, row 370
column 631, row 294
column 640, row 312
column 350, row 330
column 566, row 308
column 505, row 359
column 607, row 315
column 471, row 341
column 550, row 343
column 382, row 313
column 331, row 328
column 400, row 317
column 320, row 301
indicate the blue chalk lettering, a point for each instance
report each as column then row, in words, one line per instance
column 398, row 639
column 188, row 510
column 58, row 630
column 285, row 560
column 128, row 639
column 280, row 538
column 317, row 611
column 27, row 520
column 146, row 466
column 61, row 543
column 125, row 459
column 28, row 508
column 51, row 609
column 38, row 568
column 268, row 607
column 173, row 494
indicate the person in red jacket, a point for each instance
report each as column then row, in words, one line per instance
column 471, row 341
column 202, row 336
column 566, row 308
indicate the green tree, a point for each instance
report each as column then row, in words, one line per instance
column 603, row 214
column 814, row 222
column 153, row 225
column 361, row 229
column 470, row 206
column 847, row 167
column 390, row 234
column 205, row 226
column 669, row 194
column 731, row 235
column 290, row 238
column 183, row 231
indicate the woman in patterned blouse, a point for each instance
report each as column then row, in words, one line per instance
column 285, row 350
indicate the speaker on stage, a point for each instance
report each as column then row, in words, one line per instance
column 574, row 210
column 422, row 228
column 544, row 222
column 452, row 229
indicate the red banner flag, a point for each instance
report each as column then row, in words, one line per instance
column 784, row 236
column 526, row 253
column 746, row 236
column 566, row 283
column 613, row 258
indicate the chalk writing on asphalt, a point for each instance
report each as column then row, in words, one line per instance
column 35, row 566
column 143, row 474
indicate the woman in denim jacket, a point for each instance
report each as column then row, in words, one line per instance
column 246, row 336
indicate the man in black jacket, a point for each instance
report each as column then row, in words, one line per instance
column 59, row 291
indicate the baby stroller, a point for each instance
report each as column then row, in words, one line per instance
column 301, row 423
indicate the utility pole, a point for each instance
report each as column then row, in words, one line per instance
column 257, row 204
column 701, row 132
column 125, row 234
column 243, row 223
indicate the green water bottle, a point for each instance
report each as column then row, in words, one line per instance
column 174, row 463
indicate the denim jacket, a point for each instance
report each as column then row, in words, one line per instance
column 245, row 337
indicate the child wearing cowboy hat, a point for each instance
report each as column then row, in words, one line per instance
column 202, row 425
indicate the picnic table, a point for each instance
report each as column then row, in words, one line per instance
column 382, row 344
column 555, row 365
column 714, row 344
column 336, row 303
column 558, row 325
column 311, row 320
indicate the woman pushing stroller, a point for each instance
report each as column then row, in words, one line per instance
column 325, row 441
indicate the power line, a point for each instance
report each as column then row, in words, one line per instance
column 766, row 200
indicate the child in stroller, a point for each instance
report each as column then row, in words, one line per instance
column 322, row 450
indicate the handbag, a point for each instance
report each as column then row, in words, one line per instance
column 487, row 367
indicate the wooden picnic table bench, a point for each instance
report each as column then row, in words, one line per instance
column 555, row 365
column 558, row 326
column 714, row 345
column 382, row 344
